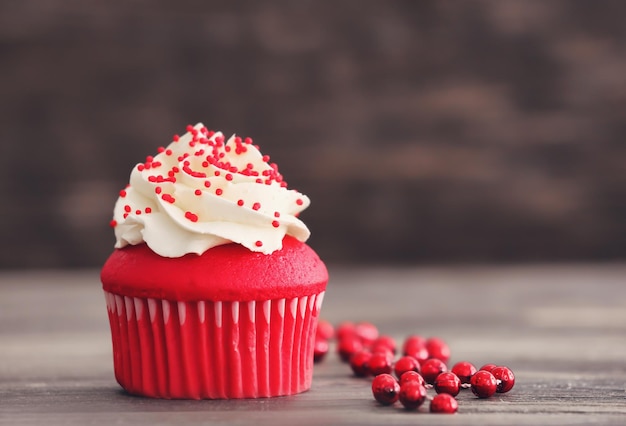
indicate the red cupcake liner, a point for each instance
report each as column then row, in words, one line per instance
column 213, row 350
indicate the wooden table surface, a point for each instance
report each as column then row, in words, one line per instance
column 562, row 329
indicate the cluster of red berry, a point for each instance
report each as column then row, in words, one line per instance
column 421, row 366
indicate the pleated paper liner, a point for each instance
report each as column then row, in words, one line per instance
column 213, row 350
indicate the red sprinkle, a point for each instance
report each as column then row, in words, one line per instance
column 229, row 177
column 197, row 192
column 258, row 243
column 275, row 224
column 276, row 214
column 256, row 206
column 207, row 183
column 192, row 217
column 168, row 198
column 158, row 189
column 127, row 208
column 240, row 203
column 148, row 210
column 219, row 191
column 193, row 173
column 113, row 223
column 299, row 201
column 137, row 211
column 122, row 193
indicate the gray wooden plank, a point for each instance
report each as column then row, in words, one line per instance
column 562, row 329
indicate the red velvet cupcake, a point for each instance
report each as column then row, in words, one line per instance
column 211, row 290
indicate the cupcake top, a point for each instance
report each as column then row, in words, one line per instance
column 229, row 272
column 203, row 191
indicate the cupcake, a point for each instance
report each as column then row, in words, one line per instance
column 211, row 290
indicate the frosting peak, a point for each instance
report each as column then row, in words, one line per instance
column 202, row 191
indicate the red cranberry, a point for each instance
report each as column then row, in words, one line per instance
column 325, row 330
column 444, row 403
column 412, row 395
column 415, row 346
column 384, row 341
column 483, row 384
column 380, row 363
column 383, row 349
column 414, row 340
column 360, row 363
column 412, row 376
column 348, row 346
column 448, row 383
column 404, row 364
column 386, row 389
column 431, row 368
column 504, row 377
column 437, row 348
column 345, row 329
column 367, row 332
column 464, row 371
column 487, row 367
column 320, row 349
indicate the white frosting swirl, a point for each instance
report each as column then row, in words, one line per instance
column 201, row 192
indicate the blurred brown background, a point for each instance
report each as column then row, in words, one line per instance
column 423, row 131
